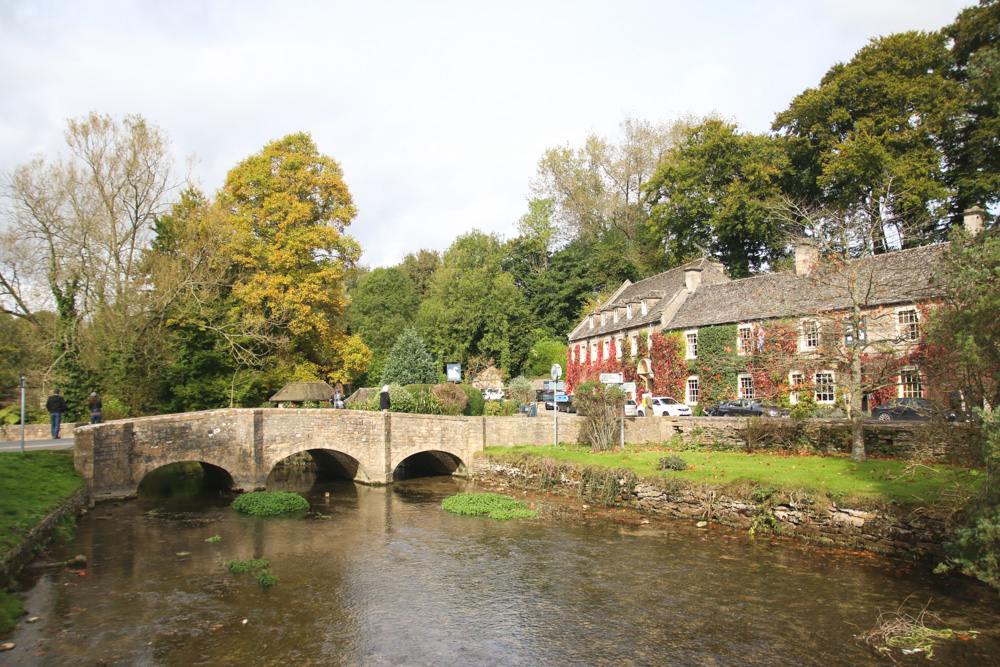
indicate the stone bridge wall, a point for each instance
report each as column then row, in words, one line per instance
column 247, row 443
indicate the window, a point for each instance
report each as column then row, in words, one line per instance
column 795, row 379
column 619, row 343
column 644, row 309
column 607, row 349
column 849, row 333
column 628, row 310
column 746, row 386
column 692, row 344
column 909, row 324
column 824, row 387
column 692, row 391
column 744, row 340
column 602, row 318
column 635, row 344
column 910, row 385
column 810, row 335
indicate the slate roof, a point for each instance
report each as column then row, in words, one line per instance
column 303, row 391
column 903, row 276
column 663, row 286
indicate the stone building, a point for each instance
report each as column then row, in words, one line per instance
column 812, row 314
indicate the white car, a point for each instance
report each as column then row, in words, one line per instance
column 667, row 406
column 493, row 394
column 633, row 410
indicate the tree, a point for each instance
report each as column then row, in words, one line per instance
column 599, row 187
column 856, row 332
column 288, row 208
column 383, row 304
column 77, row 226
column 420, row 267
column 474, row 309
column 410, row 362
column 880, row 131
column 711, row 195
column 963, row 356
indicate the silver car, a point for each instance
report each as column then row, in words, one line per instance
column 667, row 406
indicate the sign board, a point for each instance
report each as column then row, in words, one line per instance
column 454, row 372
column 611, row 378
column 549, row 385
column 556, row 371
column 628, row 387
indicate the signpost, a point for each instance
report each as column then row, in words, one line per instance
column 556, row 374
column 454, row 372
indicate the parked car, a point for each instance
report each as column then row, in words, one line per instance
column 910, row 409
column 633, row 410
column 493, row 394
column 746, row 407
column 564, row 403
column 546, row 397
column 667, row 406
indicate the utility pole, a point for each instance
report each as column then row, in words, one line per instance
column 22, row 414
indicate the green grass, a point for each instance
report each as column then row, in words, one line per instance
column 32, row 485
column 896, row 482
column 266, row 503
column 11, row 609
column 493, row 505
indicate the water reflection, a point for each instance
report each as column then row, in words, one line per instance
column 381, row 575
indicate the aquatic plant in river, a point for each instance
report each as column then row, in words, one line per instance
column 266, row 503
column 493, row 505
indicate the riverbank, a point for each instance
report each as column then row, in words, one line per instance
column 882, row 506
column 40, row 490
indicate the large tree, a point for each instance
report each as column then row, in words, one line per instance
column 474, row 309
column 289, row 208
column 712, row 195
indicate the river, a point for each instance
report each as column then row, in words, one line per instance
column 383, row 576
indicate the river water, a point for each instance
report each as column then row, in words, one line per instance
column 383, row 576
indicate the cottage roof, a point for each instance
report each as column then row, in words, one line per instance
column 664, row 286
column 904, row 276
column 303, row 391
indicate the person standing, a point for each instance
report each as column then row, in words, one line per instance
column 383, row 399
column 95, row 408
column 56, row 405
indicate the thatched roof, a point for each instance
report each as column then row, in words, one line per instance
column 303, row 391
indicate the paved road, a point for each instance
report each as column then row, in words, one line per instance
column 32, row 445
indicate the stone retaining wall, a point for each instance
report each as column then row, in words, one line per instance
column 24, row 553
column 12, row 432
column 909, row 533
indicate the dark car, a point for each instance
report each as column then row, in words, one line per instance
column 545, row 397
column 565, row 403
column 911, row 409
column 746, row 407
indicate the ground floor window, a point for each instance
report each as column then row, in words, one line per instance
column 693, row 391
column 910, row 385
column 795, row 379
column 825, row 387
column 746, row 386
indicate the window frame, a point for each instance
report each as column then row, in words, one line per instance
column 691, row 352
column 793, row 393
column 744, row 381
column 741, row 349
column 908, row 331
column 809, row 335
column 697, row 390
column 825, row 387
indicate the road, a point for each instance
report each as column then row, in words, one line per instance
column 34, row 445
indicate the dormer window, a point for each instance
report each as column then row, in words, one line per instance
column 628, row 311
column 644, row 307
column 616, row 315
column 602, row 319
column 591, row 321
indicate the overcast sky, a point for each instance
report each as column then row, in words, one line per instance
column 437, row 111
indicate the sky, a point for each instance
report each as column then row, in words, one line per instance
column 436, row 111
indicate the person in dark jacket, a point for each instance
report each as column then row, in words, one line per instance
column 383, row 399
column 95, row 408
column 56, row 405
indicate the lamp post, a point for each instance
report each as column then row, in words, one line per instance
column 22, row 414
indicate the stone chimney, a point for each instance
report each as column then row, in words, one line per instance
column 806, row 256
column 974, row 220
column 692, row 278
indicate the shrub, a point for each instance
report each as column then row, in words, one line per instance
column 601, row 406
column 241, row 565
column 500, row 409
column 521, row 391
column 476, row 403
column 493, row 505
column 266, row 579
column 672, row 462
column 451, row 398
column 409, row 361
column 266, row 503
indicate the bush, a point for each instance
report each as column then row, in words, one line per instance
column 521, row 391
column 976, row 550
column 267, row 503
column 451, row 398
column 409, row 361
column 476, row 401
column 672, row 462
column 493, row 505
column 500, row 409
column 601, row 406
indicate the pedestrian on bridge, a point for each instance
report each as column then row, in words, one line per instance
column 56, row 405
column 383, row 399
column 95, row 408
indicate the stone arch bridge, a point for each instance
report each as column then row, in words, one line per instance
column 246, row 444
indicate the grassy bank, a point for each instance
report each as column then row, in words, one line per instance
column 874, row 482
column 32, row 485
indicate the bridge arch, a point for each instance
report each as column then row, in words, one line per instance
column 443, row 460
column 328, row 462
